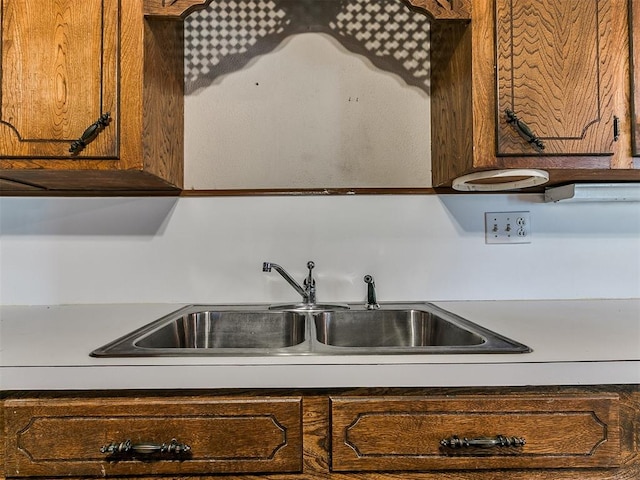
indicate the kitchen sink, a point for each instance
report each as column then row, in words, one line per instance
column 391, row 328
column 237, row 330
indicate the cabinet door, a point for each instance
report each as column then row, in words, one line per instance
column 474, row 432
column 634, row 27
column 555, row 74
column 121, row 437
column 59, row 67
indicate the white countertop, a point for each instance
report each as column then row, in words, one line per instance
column 574, row 342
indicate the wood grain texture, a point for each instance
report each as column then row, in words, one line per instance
column 634, row 28
column 452, row 95
column 92, row 180
column 3, row 449
column 173, row 8
column 59, row 76
column 465, row 61
column 163, row 101
column 445, row 9
column 436, row 9
column 64, row 437
column 382, row 433
column 555, row 72
column 316, row 420
column 9, row 186
column 111, row 60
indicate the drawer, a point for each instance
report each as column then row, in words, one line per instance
column 474, row 432
column 104, row 437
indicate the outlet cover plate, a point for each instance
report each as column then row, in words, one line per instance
column 507, row 227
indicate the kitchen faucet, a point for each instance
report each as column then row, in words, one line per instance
column 308, row 293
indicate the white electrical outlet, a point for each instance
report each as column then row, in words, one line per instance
column 507, row 227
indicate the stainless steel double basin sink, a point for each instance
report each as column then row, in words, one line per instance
column 257, row 330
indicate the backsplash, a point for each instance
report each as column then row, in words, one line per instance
column 211, row 249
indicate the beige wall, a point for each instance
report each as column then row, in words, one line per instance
column 333, row 99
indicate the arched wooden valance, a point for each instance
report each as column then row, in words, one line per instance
column 436, row 9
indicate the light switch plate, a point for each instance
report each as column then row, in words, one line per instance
column 507, row 227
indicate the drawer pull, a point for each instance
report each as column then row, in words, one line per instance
column 482, row 442
column 126, row 447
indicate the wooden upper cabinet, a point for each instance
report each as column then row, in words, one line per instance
column 91, row 96
column 554, row 74
column 634, row 28
column 59, row 69
column 533, row 84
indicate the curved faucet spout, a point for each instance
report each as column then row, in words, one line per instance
column 267, row 266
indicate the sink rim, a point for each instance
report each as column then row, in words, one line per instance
column 287, row 328
column 125, row 345
column 128, row 345
column 493, row 342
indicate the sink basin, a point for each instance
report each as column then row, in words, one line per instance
column 206, row 332
column 391, row 328
column 419, row 329
column 236, row 330
column 212, row 329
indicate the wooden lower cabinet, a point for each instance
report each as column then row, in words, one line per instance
column 138, row 436
column 474, row 432
column 559, row 433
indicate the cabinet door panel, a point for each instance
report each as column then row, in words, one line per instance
column 59, row 75
column 407, row 434
column 554, row 73
column 66, row 437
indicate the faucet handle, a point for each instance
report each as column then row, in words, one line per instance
column 372, row 302
column 309, row 280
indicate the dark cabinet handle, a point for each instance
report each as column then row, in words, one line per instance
column 524, row 130
column 482, row 442
column 90, row 133
column 127, row 448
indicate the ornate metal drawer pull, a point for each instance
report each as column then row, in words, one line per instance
column 90, row 133
column 126, row 447
column 524, row 130
column 482, row 442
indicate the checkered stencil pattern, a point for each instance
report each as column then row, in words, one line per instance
column 226, row 28
column 388, row 32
